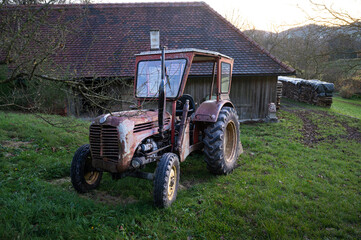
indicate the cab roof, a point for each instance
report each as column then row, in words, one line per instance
column 199, row 54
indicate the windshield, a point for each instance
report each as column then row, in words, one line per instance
column 149, row 77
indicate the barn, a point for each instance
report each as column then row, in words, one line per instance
column 110, row 35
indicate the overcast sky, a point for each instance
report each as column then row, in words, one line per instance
column 268, row 15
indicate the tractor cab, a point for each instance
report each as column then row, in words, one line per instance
column 178, row 65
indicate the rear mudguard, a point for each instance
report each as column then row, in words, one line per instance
column 209, row 110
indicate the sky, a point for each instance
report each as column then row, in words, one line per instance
column 268, row 15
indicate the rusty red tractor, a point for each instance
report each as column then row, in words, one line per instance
column 122, row 143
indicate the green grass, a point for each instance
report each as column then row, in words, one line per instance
column 282, row 189
column 350, row 107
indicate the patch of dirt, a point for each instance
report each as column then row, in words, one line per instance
column 15, row 144
column 186, row 184
column 60, row 181
column 96, row 195
column 309, row 130
column 353, row 133
column 104, row 197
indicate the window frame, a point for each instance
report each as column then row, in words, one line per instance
column 157, row 96
column 229, row 77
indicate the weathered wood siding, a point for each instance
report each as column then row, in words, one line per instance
column 250, row 95
column 198, row 88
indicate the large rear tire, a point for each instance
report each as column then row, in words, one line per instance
column 166, row 180
column 83, row 176
column 221, row 142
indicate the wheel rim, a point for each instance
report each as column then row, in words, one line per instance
column 90, row 175
column 230, row 141
column 172, row 182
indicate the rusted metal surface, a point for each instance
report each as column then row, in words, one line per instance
column 113, row 150
column 174, row 107
column 208, row 111
column 183, row 147
column 114, row 138
column 182, row 125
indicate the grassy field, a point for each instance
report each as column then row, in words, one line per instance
column 298, row 179
column 350, row 107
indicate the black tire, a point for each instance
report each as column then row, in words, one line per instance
column 221, row 142
column 166, row 180
column 83, row 176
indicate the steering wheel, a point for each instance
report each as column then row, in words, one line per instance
column 180, row 104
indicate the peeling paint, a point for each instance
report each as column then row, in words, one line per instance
column 125, row 130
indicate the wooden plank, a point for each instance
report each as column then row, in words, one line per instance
column 250, row 95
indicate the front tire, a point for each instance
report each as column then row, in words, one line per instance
column 221, row 142
column 166, row 180
column 83, row 176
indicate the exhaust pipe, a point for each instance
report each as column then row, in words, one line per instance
column 162, row 96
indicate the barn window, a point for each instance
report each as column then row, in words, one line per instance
column 225, row 77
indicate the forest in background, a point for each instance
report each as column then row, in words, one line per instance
column 327, row 53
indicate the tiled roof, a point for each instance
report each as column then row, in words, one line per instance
column 111, row 34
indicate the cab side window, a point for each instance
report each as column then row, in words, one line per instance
column 225, row 76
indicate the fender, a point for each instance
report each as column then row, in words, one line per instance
column 209, row 110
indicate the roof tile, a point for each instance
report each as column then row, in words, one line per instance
column 110, row 35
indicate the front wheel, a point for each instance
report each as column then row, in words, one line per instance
column 221, row 142
column 166, row 180
column 83, row 176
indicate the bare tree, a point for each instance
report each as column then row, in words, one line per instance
column 343, row 31
column 325, row 14
column 30, row 78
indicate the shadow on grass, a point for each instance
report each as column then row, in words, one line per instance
column 134, row 191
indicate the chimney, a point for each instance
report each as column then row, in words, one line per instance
column 154, row 40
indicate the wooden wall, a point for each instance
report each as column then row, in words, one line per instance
column 250, row 95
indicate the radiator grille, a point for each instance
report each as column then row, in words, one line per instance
column 104, row 142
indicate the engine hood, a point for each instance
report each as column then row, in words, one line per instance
column 136, row 116
column 120, row 133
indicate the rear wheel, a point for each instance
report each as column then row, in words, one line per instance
column 166, row 180
column 221, row 142
column 83, row 176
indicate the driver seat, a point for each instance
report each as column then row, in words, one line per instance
column 180, row 104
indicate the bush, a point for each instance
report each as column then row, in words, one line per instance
column 35, row 95
column 347, row 91
column 348, row 87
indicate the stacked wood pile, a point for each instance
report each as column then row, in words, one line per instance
column 279, row 94
column 309, row 91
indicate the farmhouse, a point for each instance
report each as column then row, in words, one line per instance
column 109, row 35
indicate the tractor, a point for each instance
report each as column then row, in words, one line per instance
column 122, row 143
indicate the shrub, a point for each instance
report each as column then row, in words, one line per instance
column 347, row 91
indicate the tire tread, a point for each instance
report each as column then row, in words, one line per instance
column 213, row 143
